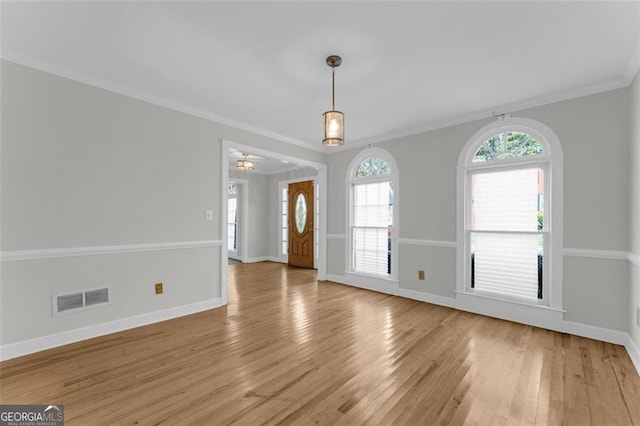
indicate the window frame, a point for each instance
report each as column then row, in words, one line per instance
column 352, row 180
column 550, row 161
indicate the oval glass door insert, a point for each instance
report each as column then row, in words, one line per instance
column 301, row 213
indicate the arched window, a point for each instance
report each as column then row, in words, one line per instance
column 372, row 188
column 510, row 223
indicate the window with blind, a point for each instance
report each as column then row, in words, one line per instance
column 507, row 237
column 371, row 227
column 232, row 217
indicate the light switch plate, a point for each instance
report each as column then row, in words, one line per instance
column 208, row 215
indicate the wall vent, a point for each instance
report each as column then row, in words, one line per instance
column 73, row 302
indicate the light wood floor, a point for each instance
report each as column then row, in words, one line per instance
column 289, row 350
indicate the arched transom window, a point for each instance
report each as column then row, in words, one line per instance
column 372, row 199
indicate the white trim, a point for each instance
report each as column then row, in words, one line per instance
column 579, row 92
column 48, row 67
column 17, row 255
column 351, row 180
column 633, row 352
column 25, row 347
column 427, row 243
column 285, row 184
column 553, row 157
column 263, row 259
column 590, row 89
column 634, row 258
column 594, row 332
column 598, row 254
column 366, row 282
column 536, row 315
column 321, row 179
column 336, row 236
column 435, row 299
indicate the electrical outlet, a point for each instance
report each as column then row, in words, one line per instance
column 159, row 288
column 421, row 275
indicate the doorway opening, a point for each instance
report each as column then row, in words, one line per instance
column 259, row 235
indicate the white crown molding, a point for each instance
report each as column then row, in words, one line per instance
column 48, row 67
column 624, row 81
column 18, row 255
column 598, row 254
column 578, row 92
column 25, row 347
column 427, row 243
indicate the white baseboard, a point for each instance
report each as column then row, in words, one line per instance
column 38, row 344
column 263, row 259
column 553, row 320
column 435, row 299
column 373, row 284
column 634, row 352
column 595, row 332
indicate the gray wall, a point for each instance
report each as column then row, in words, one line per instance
column 82, row 166
column 634, row 299
column 594, row 133
column 264, row 209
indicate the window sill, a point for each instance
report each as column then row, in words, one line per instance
column 536, row 315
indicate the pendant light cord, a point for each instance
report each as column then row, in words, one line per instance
column 333, row 88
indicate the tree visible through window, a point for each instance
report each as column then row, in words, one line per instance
column 506, row 230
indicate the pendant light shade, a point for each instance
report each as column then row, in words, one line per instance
column 333, row 128
column 333, row 120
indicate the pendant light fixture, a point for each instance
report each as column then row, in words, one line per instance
column 245, row 165
column 333, row 120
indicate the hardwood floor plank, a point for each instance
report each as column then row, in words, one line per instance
column 290, row 350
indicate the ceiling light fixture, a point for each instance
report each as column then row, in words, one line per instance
column 245, row 165
column 333, row 120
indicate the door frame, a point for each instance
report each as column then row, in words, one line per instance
column 316, row 238
column 243, row 218
column 322, row 216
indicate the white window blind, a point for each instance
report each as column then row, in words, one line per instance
column 372, row 207
column 231, row 222
column 505, row 241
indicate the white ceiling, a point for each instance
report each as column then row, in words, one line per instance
column 407, row 66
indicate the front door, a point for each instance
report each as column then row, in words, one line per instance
column 301, row 214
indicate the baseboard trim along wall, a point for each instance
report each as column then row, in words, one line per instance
column 18, row 255
column 552, row 319
column 263, row 259
column 26, row 347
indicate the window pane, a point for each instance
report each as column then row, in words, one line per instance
column 372, row 220
column 372, row 204
column 373, row 166
column 370, row 250
column 301, row 213
column 507, row 145
column 284, row 247
column 509, row 264
column 284, row 221
column 507, row 201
